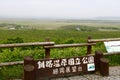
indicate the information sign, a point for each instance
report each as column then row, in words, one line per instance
column 64, row 66
column 112, row 46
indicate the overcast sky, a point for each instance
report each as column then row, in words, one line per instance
column 59, row 8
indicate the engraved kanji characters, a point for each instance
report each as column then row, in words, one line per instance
column 85, row 60
column 63, row 62
column 71, row 61
column 49, row 64
column 77, row 61
column 55, row 71
column 74, row 69
column 91, row 59
column 68, row 69
column 62, row 70
column 41, row 64
column 56, row 63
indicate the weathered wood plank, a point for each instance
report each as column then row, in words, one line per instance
column 26, row 44
column 11, row 63
column 103, row 40
column 69, row 45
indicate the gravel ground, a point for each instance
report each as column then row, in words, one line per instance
column 114, row 74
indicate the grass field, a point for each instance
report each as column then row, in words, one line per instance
column 56, row 24
column 60, row 31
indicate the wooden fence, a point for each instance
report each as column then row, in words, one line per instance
column 47, row 48
column 31, row 66
column 49, row 45
column 22, row 45
column 90, row 40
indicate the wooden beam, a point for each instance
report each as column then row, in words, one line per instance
column 103, row 40
column 69, row 45
column 11, row 63
column 26, row 44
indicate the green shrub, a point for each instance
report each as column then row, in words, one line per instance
column 14, row 40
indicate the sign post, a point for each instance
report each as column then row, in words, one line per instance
column 48, row 68
column 64, row 66
column 29, row 69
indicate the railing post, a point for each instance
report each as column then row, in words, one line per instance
column 89, row 48
column 104, row 67
column 47, row 50
column 47, row 39
column 47, row 53
column 98, row 55
column 29, row 69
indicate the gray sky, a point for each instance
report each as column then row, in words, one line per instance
column 59, row 8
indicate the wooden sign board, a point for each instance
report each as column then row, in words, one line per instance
column 63, row 66
column 112, row 46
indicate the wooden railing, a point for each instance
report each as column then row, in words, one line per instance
column 90, row 40
column 47, row 48
column 49, row 45
column 22, row 45
column 26, row 44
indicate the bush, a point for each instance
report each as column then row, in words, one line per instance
column 79, row 28
column 14, row 40
column 69, row 41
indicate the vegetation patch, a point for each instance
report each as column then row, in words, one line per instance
column 79, row 28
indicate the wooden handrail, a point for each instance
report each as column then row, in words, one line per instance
column 49, row 45
column 69, row 45
column 26, row 44
column 102, row 40
column 47, row 48
column 11, row 63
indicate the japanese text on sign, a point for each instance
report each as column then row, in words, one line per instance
column 65, row 62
